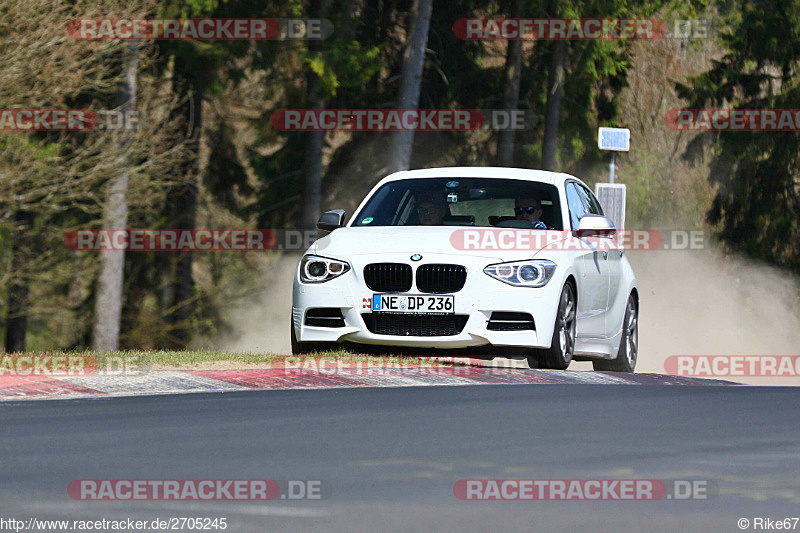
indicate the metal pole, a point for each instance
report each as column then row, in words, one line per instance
column 611, row 168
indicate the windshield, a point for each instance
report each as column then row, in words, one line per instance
column 482, row 202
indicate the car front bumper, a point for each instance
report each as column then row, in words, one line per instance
column 476, row 301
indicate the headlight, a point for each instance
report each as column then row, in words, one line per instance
column 315, row 269
column 532, row 273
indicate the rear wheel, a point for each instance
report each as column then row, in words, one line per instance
column 562, row 345
column 628, row 345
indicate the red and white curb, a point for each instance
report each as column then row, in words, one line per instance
column 152, row 382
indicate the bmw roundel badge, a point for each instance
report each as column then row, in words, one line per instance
column 416, row 257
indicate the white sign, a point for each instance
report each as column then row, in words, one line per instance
column 612, row 198
column 618, row 139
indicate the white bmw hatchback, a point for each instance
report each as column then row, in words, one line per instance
column 472, row 258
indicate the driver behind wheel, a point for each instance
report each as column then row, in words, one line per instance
column 431, row 208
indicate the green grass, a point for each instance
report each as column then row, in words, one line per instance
column 195, row 358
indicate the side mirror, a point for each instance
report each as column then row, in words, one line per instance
column 596, row 226
column 331, row 220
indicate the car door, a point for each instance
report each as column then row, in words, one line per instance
column 613, row 255
column 592, row 271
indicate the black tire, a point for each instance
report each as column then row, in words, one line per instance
column 562, row 345
column 303, row 348
column 297, row 348
column 629, row 344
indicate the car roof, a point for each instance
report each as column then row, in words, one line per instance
column 542, row 176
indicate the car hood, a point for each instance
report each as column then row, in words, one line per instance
column 409, row 239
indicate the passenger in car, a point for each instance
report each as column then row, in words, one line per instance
column 529, row 209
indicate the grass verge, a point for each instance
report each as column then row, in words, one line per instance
column 209, row 359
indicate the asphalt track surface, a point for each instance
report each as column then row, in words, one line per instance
column 392, row 455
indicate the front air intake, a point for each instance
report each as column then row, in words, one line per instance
column 415, row 325
column 510, row 321
column 325, row 317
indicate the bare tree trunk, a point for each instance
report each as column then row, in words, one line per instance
column 413, row 63
column 21, row 252
column 555, row 83
column 505, row 140
column 108, row 303
column 312, row 175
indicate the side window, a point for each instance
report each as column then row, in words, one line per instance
column 575, row 204
column 590, row 200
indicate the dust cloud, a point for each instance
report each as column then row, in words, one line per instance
column 697, row 302
column 702, row 302
column 263, row 326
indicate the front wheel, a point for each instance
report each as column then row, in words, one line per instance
column 297, row 348
column 303, row 348
column 562, row 345
column 628, row 345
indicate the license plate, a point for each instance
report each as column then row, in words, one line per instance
column 413, row 304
